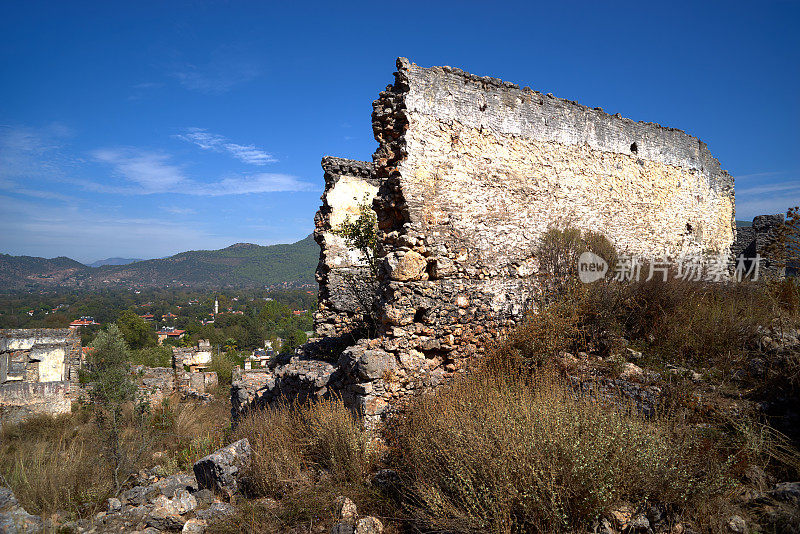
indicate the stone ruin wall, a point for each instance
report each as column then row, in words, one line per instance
column 38, row 371
column 348, row 184
column 475, row 170
column 471, row 172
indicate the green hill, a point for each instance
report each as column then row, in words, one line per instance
column 239, row 265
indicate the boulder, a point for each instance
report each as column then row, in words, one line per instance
column 374, row 364
column 135, row 496
column 219, row 471
column 215, row 511
column 165, row 518
column 368, row 525
column 184, row 502
column 13, row 518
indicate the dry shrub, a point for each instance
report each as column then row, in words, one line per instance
column 683, row 321
column 54, row 464
column 188, row 431
column 305, row 455
column 557, row 255
column 493, row 453
column 291, row 444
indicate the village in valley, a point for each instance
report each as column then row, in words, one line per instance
column 476, row 306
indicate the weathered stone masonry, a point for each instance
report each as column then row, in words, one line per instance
column 471, row 172
column 348, row 184
column 38, row 371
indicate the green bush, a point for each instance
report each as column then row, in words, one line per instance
column 223, row 363
column 152, row 357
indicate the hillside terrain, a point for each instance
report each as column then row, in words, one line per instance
column 113, row 261
column 239, row 265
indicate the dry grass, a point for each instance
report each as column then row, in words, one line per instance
column 291, row 445
column 52, row 464
column 55, row 464
column 304, row 456
column 496, row 453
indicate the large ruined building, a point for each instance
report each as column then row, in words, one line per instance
column 38, row 371
column 468, row 174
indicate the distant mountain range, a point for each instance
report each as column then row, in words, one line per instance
column 239, row 265
column 114, row 261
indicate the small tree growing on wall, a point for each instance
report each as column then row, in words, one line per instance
column 361, row 234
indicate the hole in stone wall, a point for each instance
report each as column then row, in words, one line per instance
column 634, row 148
column 689, row 228
column 419, row 315
column 482, row 107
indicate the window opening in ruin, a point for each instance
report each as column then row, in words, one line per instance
column 634, row 148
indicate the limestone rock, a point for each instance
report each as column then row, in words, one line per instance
column 171, row 485
column 184, row 502
column 13, row 518
column 373, row 364
column 215, row 511
column 165, row 518
column 114, row 505
column 219, row 471
column 194, row 526
column 410, row 266
column 369, row 525
column 345, row 510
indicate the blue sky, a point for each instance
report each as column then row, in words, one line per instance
column 141, row 129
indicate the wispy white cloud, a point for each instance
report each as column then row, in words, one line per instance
column 792, row 186
column 85, row 235
column 225, row 70
column 766, row 193
column 32, row 152
column 179, row 210
column 209, row 141
column 153, row 172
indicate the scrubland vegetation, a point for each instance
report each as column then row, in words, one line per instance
column 541, row 436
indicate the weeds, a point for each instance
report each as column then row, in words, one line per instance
column 494, row 453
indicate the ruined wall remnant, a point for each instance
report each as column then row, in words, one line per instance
column 755, row 239
column 471, row 172
column 341, row 273
column 38, row 371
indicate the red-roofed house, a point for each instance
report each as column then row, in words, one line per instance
column 83, row 321
column 169, row 332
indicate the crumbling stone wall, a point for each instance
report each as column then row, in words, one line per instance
column 474, row 170
column 471, row 171
column 754, row 240
column 38, row 371
column 341, row 273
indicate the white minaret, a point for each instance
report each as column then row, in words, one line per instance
column 216, row 306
